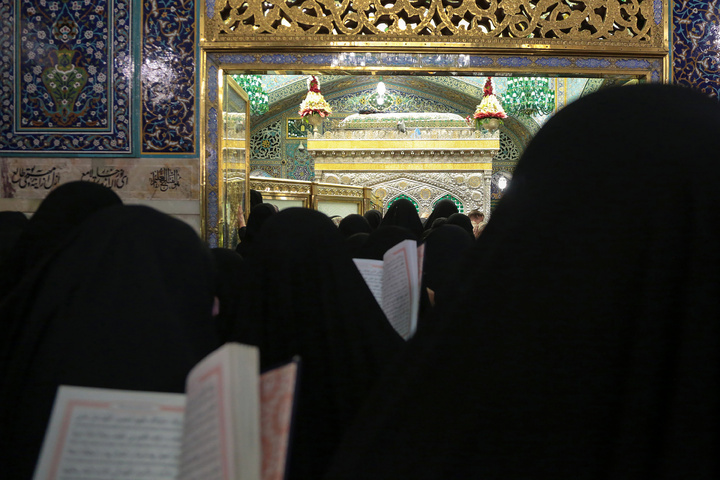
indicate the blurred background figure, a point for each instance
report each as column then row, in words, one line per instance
column 373, row 217
column 478, row 221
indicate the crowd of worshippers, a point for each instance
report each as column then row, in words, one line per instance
column 577, row 337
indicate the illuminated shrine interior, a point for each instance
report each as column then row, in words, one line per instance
column 282, row 144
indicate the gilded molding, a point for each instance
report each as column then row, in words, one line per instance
column 382, row 145
column 425, row 188
column 401, row 24
column 281, row 187
column 336, row 191
column 416, row 167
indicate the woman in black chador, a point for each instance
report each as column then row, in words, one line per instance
column 125, row 302
column 585, row 341
column 303, row 296
column 442, row 209
column 62, row 211
column 402, row 213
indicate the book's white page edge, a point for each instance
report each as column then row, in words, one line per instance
column 215, row 398
column 420, row 261
column 417, row 288
column 142, row 423
column 245, row 370
column 400, row 262
column 371, row 271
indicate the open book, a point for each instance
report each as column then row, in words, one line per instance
column 395, row 283
column 231, row 423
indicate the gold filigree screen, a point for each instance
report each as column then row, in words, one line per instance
column 638, row 24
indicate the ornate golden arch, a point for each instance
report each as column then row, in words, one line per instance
column 594, row 38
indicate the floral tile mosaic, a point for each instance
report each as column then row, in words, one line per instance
column 66, row 76
column 168, row 80
column 696, row 45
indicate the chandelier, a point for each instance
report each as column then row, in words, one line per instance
column 529, row 96
column 378, row 99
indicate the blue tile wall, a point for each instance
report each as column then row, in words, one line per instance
column 696, row 41
column 66, row 77
column 67, row 70
column 168, row 77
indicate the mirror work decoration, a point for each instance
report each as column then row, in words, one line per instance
column 572, row 24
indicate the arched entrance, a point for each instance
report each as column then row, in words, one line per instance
column 567, row 39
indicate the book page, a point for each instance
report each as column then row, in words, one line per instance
column 420, row 261
column 221, row 436
column 401, row 288
column 416, row 305
column 277, row 397
column 371, row 271
column 106, row 434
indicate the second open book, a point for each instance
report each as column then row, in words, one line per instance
column 231, row 423
column 395, row 282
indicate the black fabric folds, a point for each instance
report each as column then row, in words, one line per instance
column 382, row 240
column 373, row 217
column 445, row 250
column 442, row 209
column 12, row 224
column 63, row 210
column 257, row 218
column 256, row 198
column 126, row 302
column 585, row 342
column 462, row 221
column 304, row 296
column 230, row 268
column 352, row 224
column 402, row 213
column 355, row 244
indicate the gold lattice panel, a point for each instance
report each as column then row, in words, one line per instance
column 618, row 24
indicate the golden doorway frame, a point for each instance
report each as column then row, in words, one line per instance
column 555, row 38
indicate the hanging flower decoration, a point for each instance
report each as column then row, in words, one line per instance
column 314, row 103
column 489, row 108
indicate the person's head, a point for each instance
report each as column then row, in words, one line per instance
column 402, row 213
column 62, row 211
column 257, row 218
column 256, row 198
column 373, row 217
column 461, row 220
column 442, row 209
column 352, row 224
column 476, row 216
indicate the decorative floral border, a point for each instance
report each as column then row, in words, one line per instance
column 696, row 34
column 168, row 77
column 556, row 64
column 212, row 204
column 117, row 138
